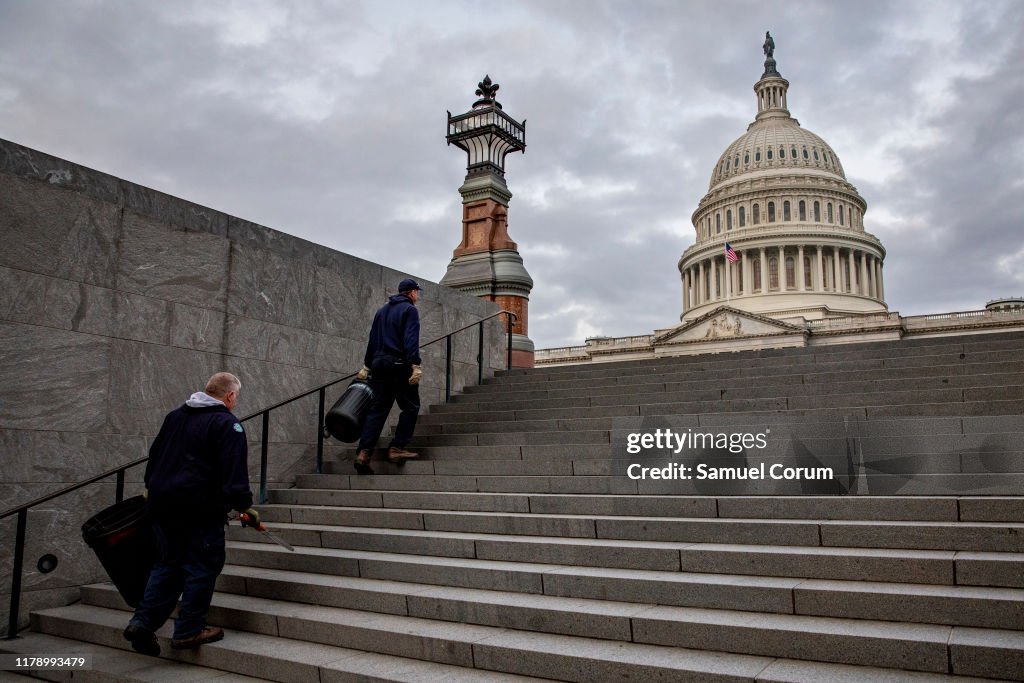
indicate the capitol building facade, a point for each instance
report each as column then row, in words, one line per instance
column 779, row 198
column 781, row 256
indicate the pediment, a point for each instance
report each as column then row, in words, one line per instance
column 726, row 322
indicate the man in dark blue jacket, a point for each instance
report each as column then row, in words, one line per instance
column 392, row 364
column 197, row 471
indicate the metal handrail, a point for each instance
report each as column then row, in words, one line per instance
column 22, row 510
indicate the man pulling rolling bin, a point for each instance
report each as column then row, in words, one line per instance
column 392, row 366
column 197, row 471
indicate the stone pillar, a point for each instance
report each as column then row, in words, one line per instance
column 781, row 269
column 864, row 289
column 816, row 279
column 881, row 281
column 873, row 276
column 714, row 280
column 700, row 283
column 748, row 272
column 686, row 291
column 800, row 269
column 853, row 271
column 837, row 274
column 764, row 271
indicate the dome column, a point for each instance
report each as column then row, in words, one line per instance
column 853, row 271
column 800, row 269
column 748, row 273
column 865, row 289
column 700, row 283
column 686, row 291
column 714, row 279
column 872, row 277
column 836, row 272
column 763, row 263
column 816, row 278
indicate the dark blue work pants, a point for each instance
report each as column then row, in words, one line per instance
column 389, row 384
column 190, row 559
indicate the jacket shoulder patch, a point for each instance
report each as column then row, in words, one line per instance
column 238, row 427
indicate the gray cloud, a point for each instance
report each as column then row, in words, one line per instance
column 326, row 120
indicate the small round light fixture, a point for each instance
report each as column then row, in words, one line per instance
column 47, row 563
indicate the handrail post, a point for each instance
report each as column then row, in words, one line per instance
column 480, row 354
column 264, row 446
column 119, row 487
column 448, row 369
column 320, row 433
column 19, row 559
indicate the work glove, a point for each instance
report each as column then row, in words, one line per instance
column 417, row 373
column 363, row 374
column 250, row 517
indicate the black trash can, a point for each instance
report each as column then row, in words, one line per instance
column 344, row 421
column 123, row 540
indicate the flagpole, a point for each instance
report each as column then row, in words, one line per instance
column 728, row 280
column 728, row 275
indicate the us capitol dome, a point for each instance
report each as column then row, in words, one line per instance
column 779, row 197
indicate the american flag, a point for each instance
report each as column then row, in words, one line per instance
column 730, row 253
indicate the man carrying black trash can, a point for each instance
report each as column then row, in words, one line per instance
column 392, row 364
column 197, row 471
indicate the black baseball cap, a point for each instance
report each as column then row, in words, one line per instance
column 407, row 285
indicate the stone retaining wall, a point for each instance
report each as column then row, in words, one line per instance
column 117, row 302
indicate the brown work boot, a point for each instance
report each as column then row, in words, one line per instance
column 400, row 455
column 362, row 462
column 210, row 634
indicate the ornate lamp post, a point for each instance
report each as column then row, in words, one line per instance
column 487, row 262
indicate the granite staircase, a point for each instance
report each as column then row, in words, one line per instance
column 518, row 549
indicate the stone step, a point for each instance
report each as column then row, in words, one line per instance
column 726, row 364
column 952, row 401
column 1007, row 362
column 113, row 663
column 870, row 438
column 991, row 386
column 921, row 508
column 840, row 482
column 268, row 654
column 816, row 507
column 559, row 657
column 903, row 348
column 447, row 628
column 465, row 534
column 570, row 521
column 590, row 589
column 781, row 375
column 928, row 346
column 527, row 574
column 828, row 453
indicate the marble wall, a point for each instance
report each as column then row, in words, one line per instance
column 117, row 302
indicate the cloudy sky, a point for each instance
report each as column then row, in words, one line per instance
column 326, row 120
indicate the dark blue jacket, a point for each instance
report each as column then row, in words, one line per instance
column 394, row 335
column 198, row 466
